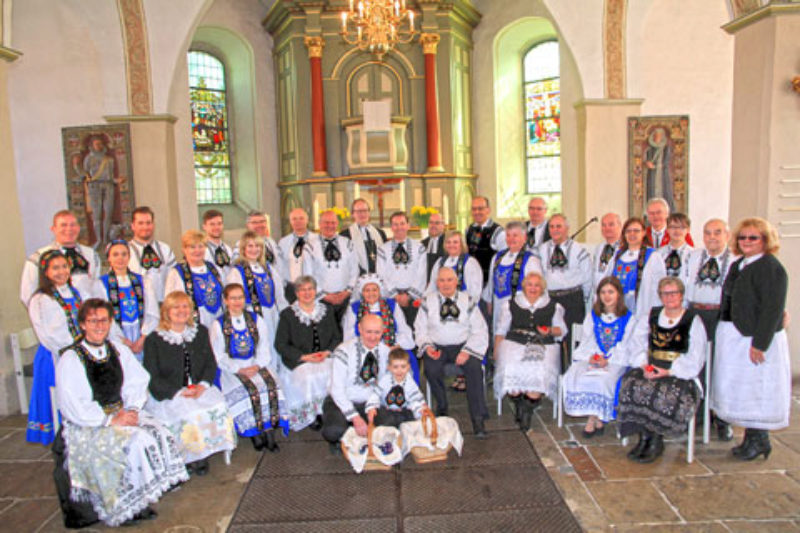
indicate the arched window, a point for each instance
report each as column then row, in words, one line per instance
column 542, row 94
column 210, row 140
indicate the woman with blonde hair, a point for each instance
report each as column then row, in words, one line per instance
column 752, row 381
column 527, row 347
column 182, row 370
column 198, row 278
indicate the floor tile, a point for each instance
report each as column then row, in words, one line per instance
column 692, row 527
column 27, row 480
column 15, row 447
column 582, row 463
column 580, row 501
column 759, row 526
column 733, row 496
column 717, row 457
column 27, row 515
column 14, row 421
column 632, row 502
column 790, row 439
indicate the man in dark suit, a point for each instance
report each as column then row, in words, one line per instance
column 434, row 242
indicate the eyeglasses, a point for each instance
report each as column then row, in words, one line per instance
column 676, row 227
column 98, row 321
column 750, row 238
column 360, row 210
column 669, row 293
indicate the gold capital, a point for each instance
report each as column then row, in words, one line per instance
column 429, row 42
column 314, row 45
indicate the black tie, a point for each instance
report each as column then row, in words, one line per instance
column 332, row 253
column 298, row 247
column 369, row 370
column 532, row 237
column 77, row 263
column 372, row 252
column 709, row 271
column 673, row 263
column 150, row 258
column 449, row 310
column 608, row 253
column 400, row 256
column 558, row 259
column 396, row 396
column 221, row 257
column 269, row 257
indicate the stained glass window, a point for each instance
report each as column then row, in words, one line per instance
column 210, row 140
column 542, row 93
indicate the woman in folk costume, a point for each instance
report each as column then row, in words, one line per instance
column 198, row 278
column 243, row 347
column 307, row 334
column 113, row 460
column 369, row 298
column 638, row 268
column 263, row 285
column 182, row 396
column 131, row 296
column 53, row 311
column 527, row 349
column 661, row 393
column 590, row 384
column 752, row 378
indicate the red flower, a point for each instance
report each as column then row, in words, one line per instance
column 597, row 357
column 650, row 368
column 416, row 303
column 544, row 329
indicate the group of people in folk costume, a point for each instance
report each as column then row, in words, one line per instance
column 158, row 364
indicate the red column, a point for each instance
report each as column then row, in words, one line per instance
column 429, row 42
column 315, row 45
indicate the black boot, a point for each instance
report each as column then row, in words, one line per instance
column 316, row 425
column 748, row 436
column 258, row 442
column 517, row 401
column 527, row 406
column 724, row 430
column 759, row 444
column 653, row 449
column 636, row 451
column 269, row 441
column 480, row 430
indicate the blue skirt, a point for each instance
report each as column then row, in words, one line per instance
column 40, row 411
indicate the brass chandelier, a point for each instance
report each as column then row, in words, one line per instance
column 378, row 25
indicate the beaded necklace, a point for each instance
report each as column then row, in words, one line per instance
column 113, row 294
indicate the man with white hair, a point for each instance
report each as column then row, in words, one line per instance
column 366, row 237
column 537, row 226
column 335, row 265
column 656, row 233
column 296, row 250
column 611, row 229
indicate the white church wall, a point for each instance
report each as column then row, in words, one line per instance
column 681, row 62
column 72, row 73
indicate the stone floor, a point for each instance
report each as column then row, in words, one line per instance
column 605, row 491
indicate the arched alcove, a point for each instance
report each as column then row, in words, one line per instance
column 510, row 45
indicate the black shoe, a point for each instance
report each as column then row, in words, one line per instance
column 441, row 411
column 724, row 431
column 480, row 430
column 653, row 450
column 258, row 442
column 335, row 448
column 527, row 406
column 316, row 425
column 148, row 513
column 636, row 451
column 200, row 468
column 269, row 441
column 517, row 401
column 758, row 445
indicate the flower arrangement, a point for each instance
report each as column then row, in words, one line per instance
column 420, row 215
column 342, row 213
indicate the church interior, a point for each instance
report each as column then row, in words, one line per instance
column 268, row 105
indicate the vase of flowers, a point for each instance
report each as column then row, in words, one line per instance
column 420, row 215
column 342, row 213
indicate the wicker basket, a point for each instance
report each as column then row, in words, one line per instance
column 424, row 455
column 372, row 464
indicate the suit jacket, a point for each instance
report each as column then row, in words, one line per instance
column 648, row 238
column 433, row 257
column 545, row 235
column 754, row 298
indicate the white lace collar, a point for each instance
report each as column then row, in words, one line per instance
column 173, row 337
column 523, row 302
column 307, row 318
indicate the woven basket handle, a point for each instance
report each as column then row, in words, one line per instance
column 427, row 416
column 370, row 452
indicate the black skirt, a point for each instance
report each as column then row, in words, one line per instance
column 663, row 406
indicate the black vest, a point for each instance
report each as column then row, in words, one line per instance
column 105, row 377
column 667, row 344
column 524, row 323
column 433, row 257
column 479, row 243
